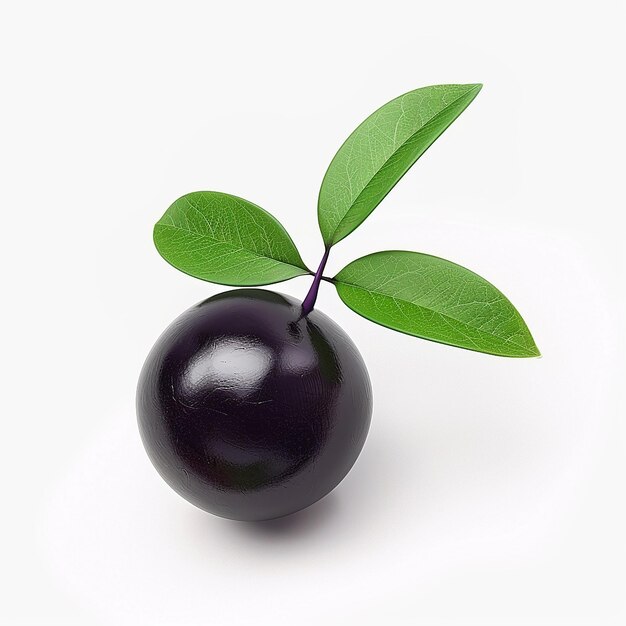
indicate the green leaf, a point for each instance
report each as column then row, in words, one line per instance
column 225, row 239
column 434, row 299
column 381, row 150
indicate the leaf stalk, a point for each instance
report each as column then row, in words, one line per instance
column 309, row 301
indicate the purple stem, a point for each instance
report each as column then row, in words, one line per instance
column 309, row 302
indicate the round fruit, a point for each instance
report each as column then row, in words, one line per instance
column 251, row 411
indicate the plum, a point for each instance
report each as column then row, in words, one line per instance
column 251, row 409
column 253, row 405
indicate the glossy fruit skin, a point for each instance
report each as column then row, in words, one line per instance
column 250, row 411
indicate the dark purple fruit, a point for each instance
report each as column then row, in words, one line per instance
column 251, row 411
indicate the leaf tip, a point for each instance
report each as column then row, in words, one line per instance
column 155, row 235
column 533, row 351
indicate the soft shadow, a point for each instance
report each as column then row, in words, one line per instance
column 294, row 526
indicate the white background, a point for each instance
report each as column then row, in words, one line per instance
column 490, row 491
